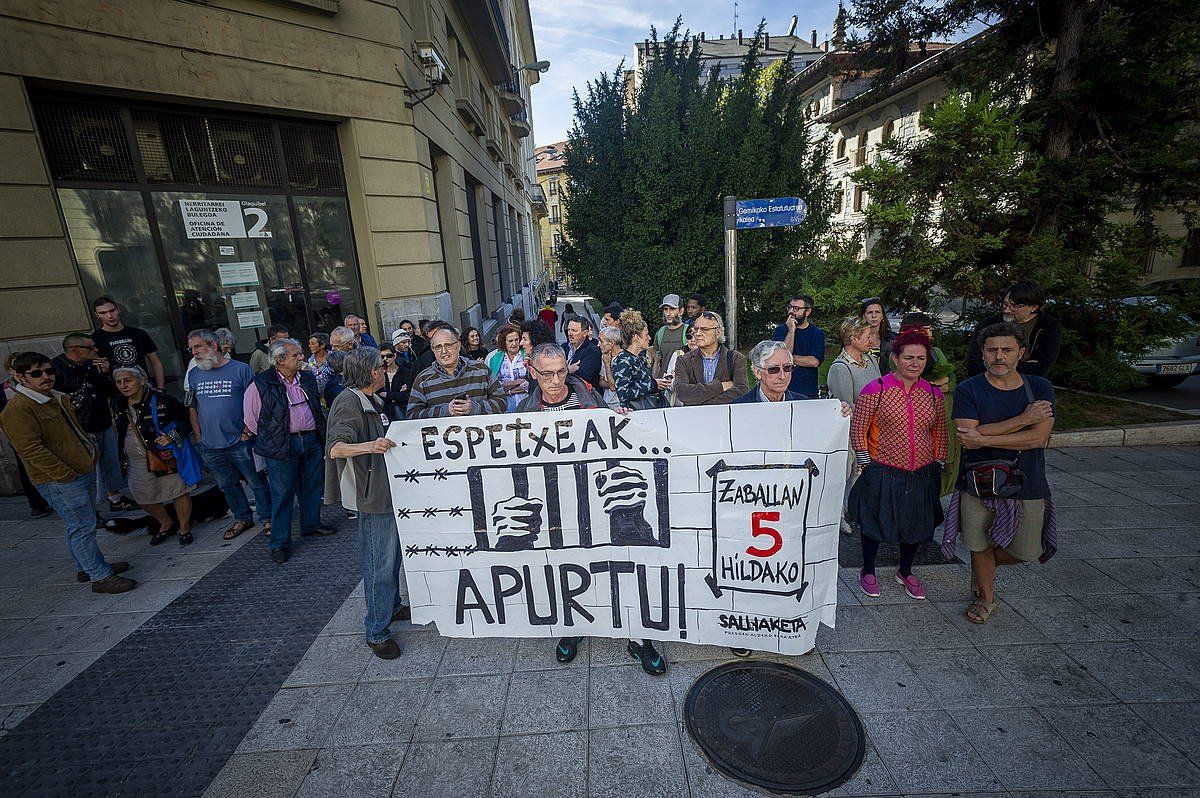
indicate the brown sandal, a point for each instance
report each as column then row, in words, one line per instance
column 981, row 610
column 238, row 528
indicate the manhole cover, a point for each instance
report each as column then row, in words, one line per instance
column 775, row 726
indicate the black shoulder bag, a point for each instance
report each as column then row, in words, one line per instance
column 997, row 479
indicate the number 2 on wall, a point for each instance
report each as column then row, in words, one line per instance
column 260, row 221
column 757, row 528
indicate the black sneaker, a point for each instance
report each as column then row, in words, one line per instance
column 387, row 649
column 321, row 530
column 566, row 649
column 652, row 662
column 122, row 504
column 39, row 512
column 279, row 556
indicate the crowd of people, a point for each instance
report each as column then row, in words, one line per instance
column 302, row 425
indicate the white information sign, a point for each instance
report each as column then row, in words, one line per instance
column 238, row 273
column 227, row 250
column 713, row 525
column 246, row 299
column 212, row 218
column 249, row 319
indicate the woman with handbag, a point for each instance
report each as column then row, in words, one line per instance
column 153, row 437
column 899, row 439
column 635, row 384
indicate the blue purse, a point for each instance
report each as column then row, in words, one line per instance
column 186, row 458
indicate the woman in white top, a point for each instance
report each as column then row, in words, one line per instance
column 507, row 365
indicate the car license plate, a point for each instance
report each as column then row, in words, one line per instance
column 1176, row 368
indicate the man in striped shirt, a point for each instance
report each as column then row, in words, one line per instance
column 453, row 386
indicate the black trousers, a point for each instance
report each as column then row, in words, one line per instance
column 870, row 549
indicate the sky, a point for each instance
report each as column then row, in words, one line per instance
column 583, row 38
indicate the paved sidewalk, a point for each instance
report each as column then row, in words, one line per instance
column 1084, row 683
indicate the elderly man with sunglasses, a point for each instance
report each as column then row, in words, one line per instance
column 773, row 368
column 710, row 374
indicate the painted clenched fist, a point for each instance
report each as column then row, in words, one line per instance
column 518, row 522
column 622, row 491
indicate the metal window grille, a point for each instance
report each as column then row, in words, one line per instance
column 85, row 142
column 312, row 157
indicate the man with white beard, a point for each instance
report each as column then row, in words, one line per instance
column 216, row 388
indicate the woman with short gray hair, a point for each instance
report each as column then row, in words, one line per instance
column 355, row 443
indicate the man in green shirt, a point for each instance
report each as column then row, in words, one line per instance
column 672, row 336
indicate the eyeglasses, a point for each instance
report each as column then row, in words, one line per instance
column 870, row 300
column 386, row 356
column 445, row 347
column 37, row 374
column 786, row 369
column 799, row 307
column 696, row 328
column 560, row 374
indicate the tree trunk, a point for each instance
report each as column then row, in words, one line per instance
column 1074, row 20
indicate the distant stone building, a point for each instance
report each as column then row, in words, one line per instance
column 552, row 178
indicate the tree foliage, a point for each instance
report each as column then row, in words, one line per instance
column 1071, row 129
column 646, row 181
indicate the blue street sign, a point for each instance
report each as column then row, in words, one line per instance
column 775, row 212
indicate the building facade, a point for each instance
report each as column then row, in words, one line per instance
column 726, row 56
column 551, row 164
column 240, row 163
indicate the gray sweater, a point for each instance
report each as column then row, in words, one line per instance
column 846, row 380
column 354, row 418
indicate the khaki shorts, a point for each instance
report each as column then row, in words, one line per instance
column 975, row 520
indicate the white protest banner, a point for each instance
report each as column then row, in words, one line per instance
column 710, row 525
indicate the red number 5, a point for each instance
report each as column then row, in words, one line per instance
column 757, row 529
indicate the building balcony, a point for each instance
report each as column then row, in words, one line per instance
column 520, row 124
column 510, row 98
column 510, row 170
column 485, row 25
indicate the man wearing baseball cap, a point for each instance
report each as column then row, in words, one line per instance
column 672, row 336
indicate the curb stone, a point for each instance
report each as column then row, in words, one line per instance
column 1162, row 433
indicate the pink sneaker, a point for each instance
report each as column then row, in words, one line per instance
column 912, row 585
column 869, row 584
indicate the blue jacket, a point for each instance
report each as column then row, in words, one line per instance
column 588, row 358
column 752, row 396
column 272, row 439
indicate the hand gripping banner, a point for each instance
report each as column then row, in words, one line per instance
column 714, row 525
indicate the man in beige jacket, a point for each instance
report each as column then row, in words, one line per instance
column 60, row 457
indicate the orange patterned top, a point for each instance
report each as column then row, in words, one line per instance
column 900, row 429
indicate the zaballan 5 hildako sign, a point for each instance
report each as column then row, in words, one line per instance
column 702, row 524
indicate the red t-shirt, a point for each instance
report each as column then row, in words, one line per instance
column 548, row 315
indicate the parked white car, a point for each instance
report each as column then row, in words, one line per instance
column 1179, row 359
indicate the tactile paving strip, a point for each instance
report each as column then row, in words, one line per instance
column 161, row 712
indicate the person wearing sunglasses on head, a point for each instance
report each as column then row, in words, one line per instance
column 806, row 342
column 60, row 457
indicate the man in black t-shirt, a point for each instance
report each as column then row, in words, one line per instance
column 1002, row 415
column 124, row 346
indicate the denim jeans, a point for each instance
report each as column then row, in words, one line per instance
column 75, row 503
column 228, row 466
column 110, row 462
column 301, row 476
column 383, row 572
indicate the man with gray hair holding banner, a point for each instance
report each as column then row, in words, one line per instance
column 356, row 442
column 283, row 409
column 521, row 518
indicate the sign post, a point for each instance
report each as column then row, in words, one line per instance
column 745, row 215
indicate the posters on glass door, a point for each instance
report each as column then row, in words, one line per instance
column 238, row 273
